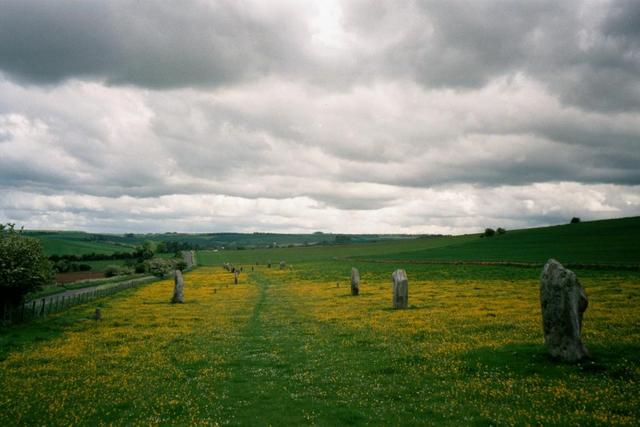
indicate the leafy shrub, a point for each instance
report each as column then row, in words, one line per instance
column 180, row 265
column 23, row 266
column 140, row 268
column 489, row 232
column 160, row 267
column 501, row 230
column 575, row 220
column 117, row 270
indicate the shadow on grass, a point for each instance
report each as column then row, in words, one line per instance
column 616, row 361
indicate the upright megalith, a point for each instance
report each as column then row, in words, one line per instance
column 268, row 264
column 355, row 281
column 400, row 289
column 282, row 265
column 178, row 288
column 235, row 277
column 563, row 302
column 189, row 258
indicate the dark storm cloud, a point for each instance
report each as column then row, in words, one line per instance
column 153, row 44
column 586, row 52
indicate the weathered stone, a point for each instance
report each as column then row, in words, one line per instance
column 282, row 265
column 235, row 277
column 189, row 258
column 563, row 302
column 178, row 288
column 355, row 281
column 400, row 289
column 268, row 264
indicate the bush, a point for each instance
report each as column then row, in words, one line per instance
column 23, row 266
column 489, row 232
column 575, row 220
column 140, row 268
column 180, row 265
column 501, row 230
column 160, row 267
column 117, row 270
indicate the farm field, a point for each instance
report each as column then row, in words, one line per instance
column 290, row 347
column 76, row 243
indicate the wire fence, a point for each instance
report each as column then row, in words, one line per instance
column 55, row 303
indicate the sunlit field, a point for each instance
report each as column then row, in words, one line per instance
column 293, row 346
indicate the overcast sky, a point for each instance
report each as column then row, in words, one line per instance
column 295, row 116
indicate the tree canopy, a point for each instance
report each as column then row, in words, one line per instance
column 23, row 266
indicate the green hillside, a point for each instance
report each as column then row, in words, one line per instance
column 615, row 241
column 77, row 243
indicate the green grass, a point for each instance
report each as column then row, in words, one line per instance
column 292, row 347
column 77, row 243
column 288, row 347
column 597, row 242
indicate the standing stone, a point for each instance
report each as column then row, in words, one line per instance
column 563, row 301
column 235, row 277
column 178, row 288
column 400, row 289
column 97, row 315
column 268, row 264
column 282, row 265
column 355, row 281
column 189, row 258
column 252, row 268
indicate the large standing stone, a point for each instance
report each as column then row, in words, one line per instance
column 355, row 281
column 178, row 288
column 563, row 301
column 282, row 265
column 268, row 264
column 235, row 277
column 400, row 289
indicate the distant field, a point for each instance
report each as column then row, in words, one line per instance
column 613, row 241
column 315, row 253
column 76, row 243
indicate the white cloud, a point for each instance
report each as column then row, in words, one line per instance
column 346, row 116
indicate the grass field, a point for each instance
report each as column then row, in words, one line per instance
column 292, row 346
column 289, row 347
column 598, row 242
column 76, row 243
